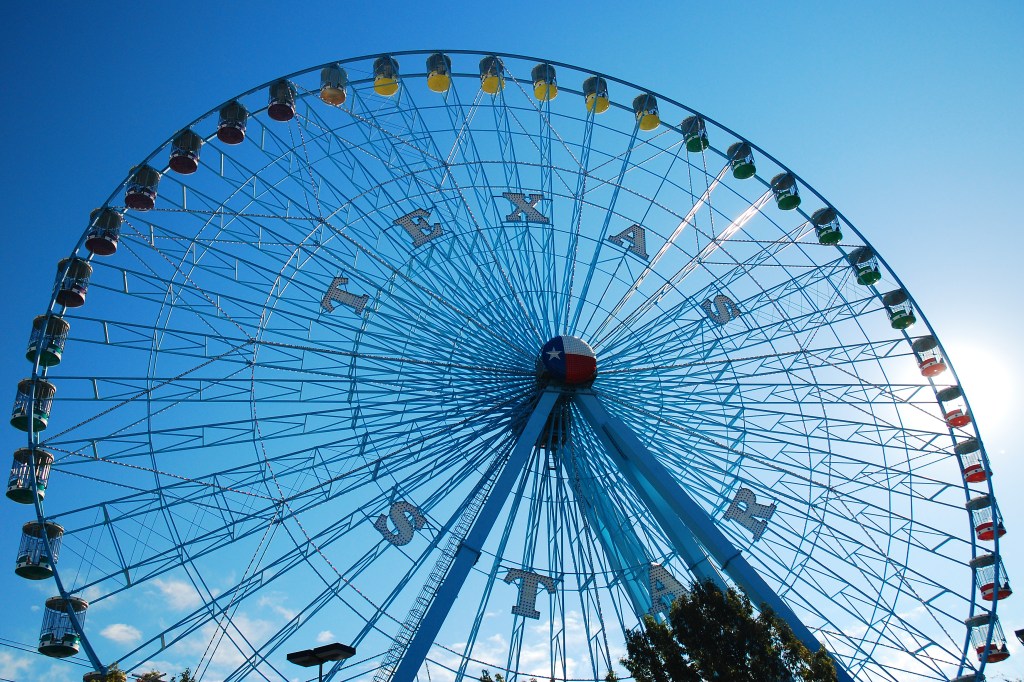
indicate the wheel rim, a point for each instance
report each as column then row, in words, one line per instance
column 746, row 356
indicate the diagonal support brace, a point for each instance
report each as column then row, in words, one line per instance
column 663, row 495
column 469, row 550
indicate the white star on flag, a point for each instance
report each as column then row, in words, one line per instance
column 554, row 354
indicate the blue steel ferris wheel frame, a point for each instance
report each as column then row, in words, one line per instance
column 377, row 412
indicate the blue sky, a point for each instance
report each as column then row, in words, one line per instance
column 904, row 115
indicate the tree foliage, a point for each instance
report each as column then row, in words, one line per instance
column 485, row 676
column 186, row 676
column 115, row 674
column 716, row 636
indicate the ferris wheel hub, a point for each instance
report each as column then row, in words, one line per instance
column 569, row 360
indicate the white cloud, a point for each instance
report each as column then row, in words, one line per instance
column 121, row 633
column 274, row 602
column 534, row 658
column 232, row 643
column 61, row 672
column 179, row 594
column 324, row 637
column 94, row 595
column 12, row 666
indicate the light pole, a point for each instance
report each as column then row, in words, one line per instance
column 320, row 655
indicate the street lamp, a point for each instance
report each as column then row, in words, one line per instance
column 320, row 655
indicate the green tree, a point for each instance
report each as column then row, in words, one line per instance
column 485, row 676
column 186, row 676
column 115, row 674
column 716, row 636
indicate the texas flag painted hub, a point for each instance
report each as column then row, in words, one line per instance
column 569, row 359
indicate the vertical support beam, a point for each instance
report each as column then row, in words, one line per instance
column 662, row 493
column 469, row 550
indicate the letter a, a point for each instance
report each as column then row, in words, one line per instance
column 665, row 589
column 746, row 511
column 637, row 238
column 419, row 229
column 336, row 293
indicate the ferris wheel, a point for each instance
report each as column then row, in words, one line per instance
column 472, row 360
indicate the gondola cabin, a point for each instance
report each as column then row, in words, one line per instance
column 972, row 463
column 786, row 192
column 185, row 150
column 929, row 358
column 439, row 72
column 987, row 637
column 38, row 555
column 741, row 160
column 142, row 188
column 58, row 637
column 695, row 134
column 826, row 226
column 645, row 108
column 954, row 407
column 19, row 483
column 990, row 577
column 73, row 276
column 333, row 85
column 545, row 83
column 233, row 119
column 32, row 403
column 385, row 76
column 595, row 94
column 988, row 523
column 865, row 265
column 492, row 75
column 901, row 311
column 281, row 101
column 104, row 231
column 47, row 339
